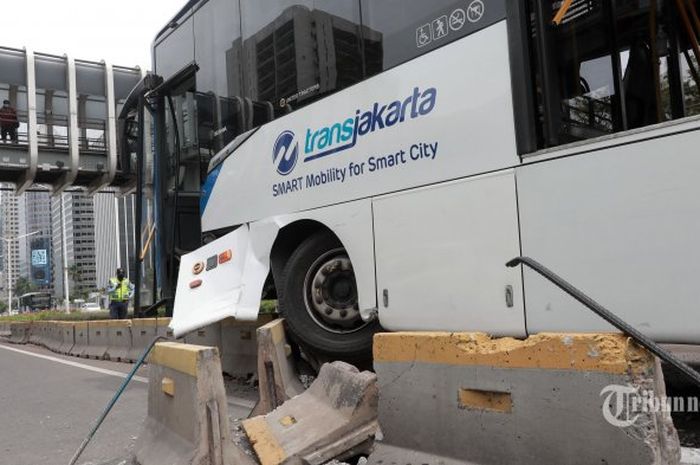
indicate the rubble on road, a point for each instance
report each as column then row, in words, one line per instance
column 336, row 418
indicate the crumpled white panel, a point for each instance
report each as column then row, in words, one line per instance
column 231, row 289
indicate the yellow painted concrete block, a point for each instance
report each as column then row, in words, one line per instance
column 181, row 357
column 167, row 385
column 264, row 442
column 605, row 353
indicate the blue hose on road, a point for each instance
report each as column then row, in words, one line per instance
column 118, row 394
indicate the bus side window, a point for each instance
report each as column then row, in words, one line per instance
column 606, row 66
column 296, row 52
column 396, row 31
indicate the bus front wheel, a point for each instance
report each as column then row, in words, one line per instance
column 319, row 301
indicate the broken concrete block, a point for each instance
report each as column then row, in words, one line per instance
column 276, row 372
column 335, row 418
column 187, row 421
column 552, row 398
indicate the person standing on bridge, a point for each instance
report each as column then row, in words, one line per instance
column 8, row 122
column 120, row 291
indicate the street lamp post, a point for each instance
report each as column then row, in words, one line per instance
column 8, row 254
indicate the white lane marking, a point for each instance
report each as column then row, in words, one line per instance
column 103, row 371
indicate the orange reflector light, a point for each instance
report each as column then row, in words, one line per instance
column 225, row 256
column 196, row 283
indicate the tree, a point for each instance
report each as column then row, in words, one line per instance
column 23, row 285
column 77, row 289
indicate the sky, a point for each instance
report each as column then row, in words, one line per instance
column 117, row 31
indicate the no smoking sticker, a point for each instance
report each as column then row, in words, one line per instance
column 457, row 19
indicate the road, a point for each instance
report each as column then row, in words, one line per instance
column 47, row 407
column 49, row 402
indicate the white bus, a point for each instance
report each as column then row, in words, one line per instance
column 472, row 132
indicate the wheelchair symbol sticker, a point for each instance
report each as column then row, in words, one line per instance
column 423, row 35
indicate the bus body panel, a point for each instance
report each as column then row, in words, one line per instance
column 441, row 254
column 623, row 225
column 352, row 223
column 234, row 289
column 467, row 130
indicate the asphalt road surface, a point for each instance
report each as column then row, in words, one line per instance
column 49, row 402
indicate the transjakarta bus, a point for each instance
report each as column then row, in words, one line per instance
column 379, row 161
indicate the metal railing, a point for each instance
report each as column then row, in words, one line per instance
column 607, row 315
column 49, row 138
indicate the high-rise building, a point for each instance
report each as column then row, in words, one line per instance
column 73, row 242
column 126, row 216
column 106, row 237
column 9, row 250
column 114, row 235
column 34, row 213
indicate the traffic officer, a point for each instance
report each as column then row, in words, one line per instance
column 120, row 291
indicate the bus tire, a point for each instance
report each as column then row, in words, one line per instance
column 318, row 299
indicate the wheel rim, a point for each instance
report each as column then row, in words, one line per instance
column 330, row 293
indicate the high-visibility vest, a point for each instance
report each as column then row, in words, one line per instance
column 120, row 290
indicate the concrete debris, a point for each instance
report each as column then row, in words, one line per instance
column 187, row 422
column 336, row 418
column 277, row 375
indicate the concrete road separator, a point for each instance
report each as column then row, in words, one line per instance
column 163, row 328
column 80, row 347
column 552, row 398
column 239, row 345
column 20, row 332
column 67, row 329
column 336, row 418
column 187, row 421
column 118, row 340
column 54, row 338
column 143, row 330
column 98, row 342
column 209, row 336
column 37, row 333
column 278, row 381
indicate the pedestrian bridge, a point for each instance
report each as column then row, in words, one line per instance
column 68, row 133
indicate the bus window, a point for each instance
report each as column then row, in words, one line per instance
column 173, row 50
column 604, row 66
column 217, row 40
column 296, row 51
column 400, row 30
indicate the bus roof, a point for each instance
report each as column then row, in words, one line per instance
column 183, row 11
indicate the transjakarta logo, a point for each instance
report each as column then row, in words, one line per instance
column 285, row 153
column 344, row 135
